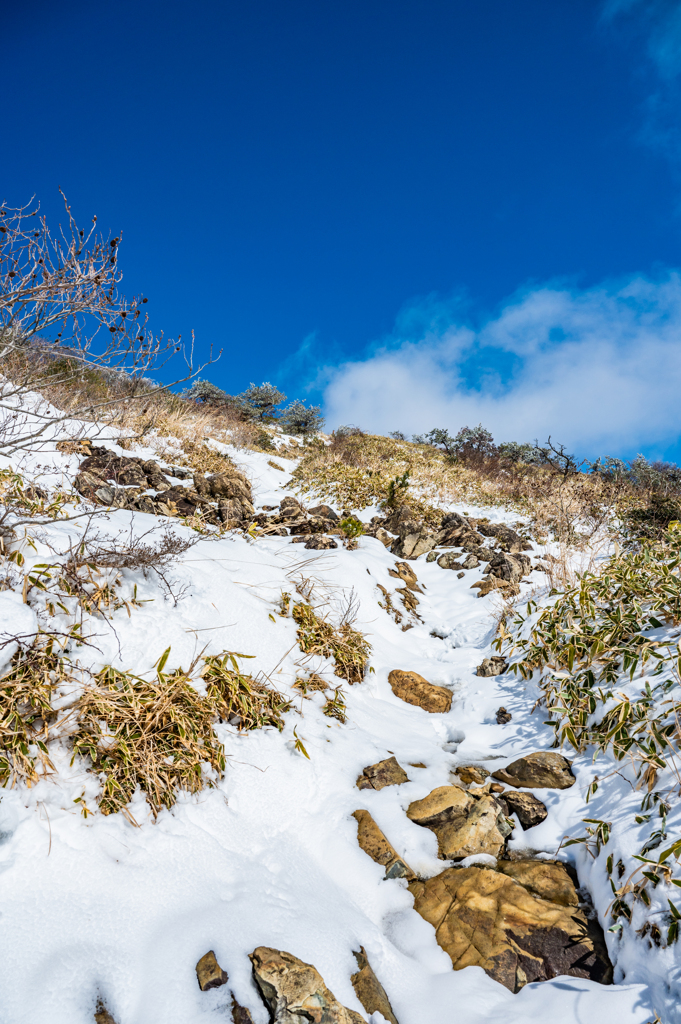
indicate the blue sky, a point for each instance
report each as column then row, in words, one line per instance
column 419, row 213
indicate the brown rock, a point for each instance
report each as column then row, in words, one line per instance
column 493, row 666
column 375, row 844
column 547, row 879
column 471, row 773
column 325, row 511
column 384, row 773
column 230, row 485
column 503, row 716
column 488, row 919
column 510, row 568
column 409, row 599
column 320, row 543
column 506, row 538
column 485, row 587
column 102, row 1015
column 240, row 1015
column 449, row 560
column 403, row 571
column 464, row 823
column 369, row 990
column 530, row 811
column 209, row 973
column 294, row 992
column 414, row 689
column 413, row 540
column 542, row 770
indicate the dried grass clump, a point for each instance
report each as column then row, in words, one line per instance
column 26, row 710
column 157, row 735
column 239, row 698
column 348, row 647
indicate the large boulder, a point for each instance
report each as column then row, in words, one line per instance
column 413, row 540
column 517, row 931
column 369, row 990
column 376, row 846
column 464, row 822
column 414, row 689
column 294, row 992
column 542, row 770
column 529, row 810
column 384, row 773
column 510, row 568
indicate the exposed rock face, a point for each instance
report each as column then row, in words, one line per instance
column 518, row 933
column 414, row 689
column 493, row 666
column 294, row 992
column 376, row 846
column 547, row 879
column 543, row 770
column 530, row 811
column 464, row 823
column 384, row 773
column 209, row 974
column 369, row 990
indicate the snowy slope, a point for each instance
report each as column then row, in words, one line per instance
column 94, row 906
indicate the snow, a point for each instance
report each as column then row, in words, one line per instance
column 94, row 907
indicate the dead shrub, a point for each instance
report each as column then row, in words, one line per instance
column 240, row 699
column 348, row 647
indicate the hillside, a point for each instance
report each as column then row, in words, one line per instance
column 217, row 648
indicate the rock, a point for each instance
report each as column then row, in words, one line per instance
column 209, row 973
column 529, row 810
column 414, row 689
column 240, row 1015
column 493, row 666
column 74, row 446
column 431, row 556
column 413, row 540
column 471, row 773
column 449, row 560
column 233, row 512
column 290, row 507
column 503, row 716
column 547, row 879
column 408, row 598
column 294, row 992
column 320, row 543
column 506, row 538
column 542, row 770
column 315, row 524
column 460, row 576
column 464, row 823
column 510, row 568
column 376, row 846
column 470, row 562
column 102, row 1015
column 230, row 485
column 487, row 586
column 403, row 571
column 488, row 919
column 385, row 538
column 385, row 773
column 369, row 990
column 326, row 512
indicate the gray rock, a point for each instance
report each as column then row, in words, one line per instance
column 294, row 992
column 530, row 811
column 493, row 666
column 449, row 560
column 384, row 773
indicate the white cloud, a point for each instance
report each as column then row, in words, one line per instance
column 598, row 369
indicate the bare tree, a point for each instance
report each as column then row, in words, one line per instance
column 60, row 299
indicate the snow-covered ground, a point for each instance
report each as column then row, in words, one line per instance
column 96, row 907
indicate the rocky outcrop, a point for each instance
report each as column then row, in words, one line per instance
column 529, row 810
column 369, row 990
column 294, row 992
column 376, row 846
column 518, row 929
column 209, row 974
column 493, row 666
column 542, row 770
column 464, row 822
column 414, row 689
column 384, row 773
